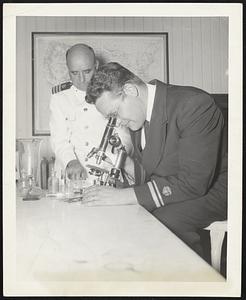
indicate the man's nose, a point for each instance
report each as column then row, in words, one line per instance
column 81, row 76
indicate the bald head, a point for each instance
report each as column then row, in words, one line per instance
column 81, row 63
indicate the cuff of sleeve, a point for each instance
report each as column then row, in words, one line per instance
column 149, row 196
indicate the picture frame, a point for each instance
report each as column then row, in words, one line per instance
column 146, row 54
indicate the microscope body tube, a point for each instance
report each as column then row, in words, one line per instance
column 105, row 139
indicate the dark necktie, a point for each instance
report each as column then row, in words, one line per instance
column 146, row 130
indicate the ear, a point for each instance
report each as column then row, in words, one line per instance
column 131, row 89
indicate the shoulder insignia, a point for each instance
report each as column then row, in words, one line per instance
column 61, row 87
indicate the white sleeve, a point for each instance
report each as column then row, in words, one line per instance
column 59, row 133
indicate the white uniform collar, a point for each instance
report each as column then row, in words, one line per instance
column 150, row 103
column 80, row 95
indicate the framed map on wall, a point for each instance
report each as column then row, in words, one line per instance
column 146, row 54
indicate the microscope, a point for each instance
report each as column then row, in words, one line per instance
column 111, row 176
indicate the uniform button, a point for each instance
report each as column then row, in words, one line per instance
column 86, row 143
column 86, row 127
column 167, row 191
column 85, row 109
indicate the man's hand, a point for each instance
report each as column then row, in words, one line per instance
column 75, row 170
column 107, row 195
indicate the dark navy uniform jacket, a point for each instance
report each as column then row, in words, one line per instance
column 183, row 158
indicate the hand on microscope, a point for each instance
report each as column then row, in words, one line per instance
column 75, row 170
column 107, row 195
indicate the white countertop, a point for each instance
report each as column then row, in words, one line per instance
column 60, row 241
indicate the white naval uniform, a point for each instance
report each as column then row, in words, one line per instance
column 76, row 125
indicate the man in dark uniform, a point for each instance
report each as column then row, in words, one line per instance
column 179, row 169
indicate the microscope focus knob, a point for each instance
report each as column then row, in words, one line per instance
column 114, row 141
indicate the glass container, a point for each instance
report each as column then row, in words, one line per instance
column 29, row 162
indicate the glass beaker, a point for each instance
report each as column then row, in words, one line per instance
column 29, row 157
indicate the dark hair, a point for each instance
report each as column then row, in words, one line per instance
column 109, row 77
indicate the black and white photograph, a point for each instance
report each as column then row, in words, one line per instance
column 122, row 147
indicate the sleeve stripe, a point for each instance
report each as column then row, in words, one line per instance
column 153, row 194
column 158, row 192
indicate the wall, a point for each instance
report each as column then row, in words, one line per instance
column 198, row 51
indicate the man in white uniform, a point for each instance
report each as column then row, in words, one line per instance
column 75, row 125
